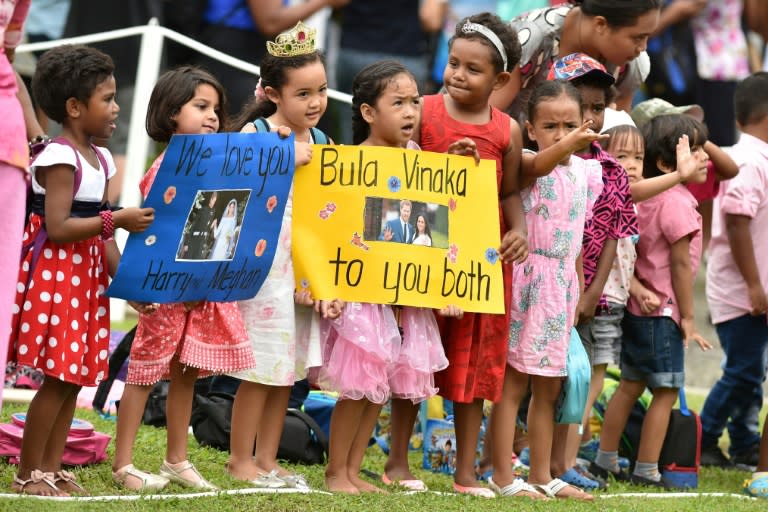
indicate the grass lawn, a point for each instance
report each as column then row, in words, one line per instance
column 150, row 448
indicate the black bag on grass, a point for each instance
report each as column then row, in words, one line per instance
column 302, row 440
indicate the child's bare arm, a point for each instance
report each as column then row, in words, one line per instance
column 725, row 167
column 514, row 244
column 742, row 249
column 682, row 284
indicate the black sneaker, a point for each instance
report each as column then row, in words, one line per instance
column 714, row 456
column 603, row 473
column 647, row 482
column 749, row 457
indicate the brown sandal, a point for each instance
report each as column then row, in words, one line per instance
column 69, row 478
column 36, row 477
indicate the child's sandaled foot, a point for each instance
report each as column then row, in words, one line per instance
column 340, row 484
column 364, row 486
column 561, row 490
column 128, row 477
column 38, row 484
column 412, row 484
column 67, row 482
column 185, row 474
column 481, row 492
column 517, row 488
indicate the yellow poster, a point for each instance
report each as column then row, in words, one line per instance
column 398, row 226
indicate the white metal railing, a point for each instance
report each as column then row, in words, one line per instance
column 150, row 57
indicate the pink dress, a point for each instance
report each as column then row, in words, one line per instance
column 210, row 337
column 365, row 356
column 546, row 288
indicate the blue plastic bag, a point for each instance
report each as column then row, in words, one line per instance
column 573, row 396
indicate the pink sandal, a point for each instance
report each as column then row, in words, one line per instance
column 481, row 492
column 411, row 485
column 36, row 477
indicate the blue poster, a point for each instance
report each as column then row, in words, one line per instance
column 219, row 201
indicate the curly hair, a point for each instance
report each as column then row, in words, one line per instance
column 274, row 73
column 172, row 91
column 506, row 34
column 68, row 71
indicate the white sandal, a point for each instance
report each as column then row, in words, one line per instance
column 517, row 486
column 175, row 475
column 553, row 488
column 148, row 481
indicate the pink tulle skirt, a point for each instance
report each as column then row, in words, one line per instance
column 411, row 376
column 364, row 355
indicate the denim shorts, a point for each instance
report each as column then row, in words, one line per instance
column 652, row 351
column 602, row 336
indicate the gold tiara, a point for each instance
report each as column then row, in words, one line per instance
column 300, row 40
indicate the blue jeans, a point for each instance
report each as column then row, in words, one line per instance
column 736, row 399
column 652, row 351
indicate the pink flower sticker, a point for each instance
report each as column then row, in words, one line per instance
column 271, row 203
column 453, row 252
column 169, row 195
column 452, row 204
column 261, row 246
column 331, row 207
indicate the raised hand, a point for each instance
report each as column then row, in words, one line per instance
column 687, row 164
column 583, row 137
column 388, row 234
column 133, row 219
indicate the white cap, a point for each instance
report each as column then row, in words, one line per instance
column 615, row 118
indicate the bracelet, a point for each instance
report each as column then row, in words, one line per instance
column 107, row 225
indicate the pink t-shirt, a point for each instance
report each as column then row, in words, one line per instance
column 746, row 194
column 664, row 220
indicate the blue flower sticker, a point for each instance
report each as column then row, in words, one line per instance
column 304, row 283
column 393, row 183
column 492, row 255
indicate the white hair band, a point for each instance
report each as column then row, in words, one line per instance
column 489, row 34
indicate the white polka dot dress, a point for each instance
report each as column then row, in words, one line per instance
column 61, row 315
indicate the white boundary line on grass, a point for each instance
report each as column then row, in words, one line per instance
column 153, row 497
column 212, row 494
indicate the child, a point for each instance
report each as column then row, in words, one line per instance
column 737, row 280
column 668, row 255
column 62, row 326
column 614, row 218
column 284, row 339
column 183, row 340
column 385, row 112
column 546, row 291
column 482, row 53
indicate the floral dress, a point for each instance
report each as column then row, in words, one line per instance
column 546, row 287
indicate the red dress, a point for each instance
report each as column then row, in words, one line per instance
column 476, row 345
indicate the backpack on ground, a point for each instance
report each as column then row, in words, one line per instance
column 302, row 441
column 680, row 458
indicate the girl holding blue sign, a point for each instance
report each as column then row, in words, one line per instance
column 284, row 332
column 61, row 315
column 179, row 341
